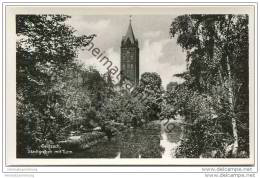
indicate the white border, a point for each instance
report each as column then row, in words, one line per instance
column 186, row 161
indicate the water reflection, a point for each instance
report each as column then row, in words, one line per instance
column 140, row 143
column 169, row 142
column 135, row 143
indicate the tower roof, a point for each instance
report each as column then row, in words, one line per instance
column 129, row 34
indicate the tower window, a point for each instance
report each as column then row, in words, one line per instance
column 124, row 66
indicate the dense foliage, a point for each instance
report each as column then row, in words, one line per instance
column 56, row 96
column 45, row 53
column 214, row 97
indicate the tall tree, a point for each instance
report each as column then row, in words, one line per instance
column 150, row 93
column 46, row 47
column 217, row 52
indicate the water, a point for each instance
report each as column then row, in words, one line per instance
column 151, row 142
column 169, row 142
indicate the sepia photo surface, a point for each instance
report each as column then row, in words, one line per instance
column 130, row 85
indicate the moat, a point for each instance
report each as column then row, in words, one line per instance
column 154, row 142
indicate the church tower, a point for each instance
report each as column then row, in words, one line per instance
column 130, row 56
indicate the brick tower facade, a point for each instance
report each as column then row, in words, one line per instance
column 130, row 56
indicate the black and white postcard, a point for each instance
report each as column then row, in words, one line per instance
column 104, row 85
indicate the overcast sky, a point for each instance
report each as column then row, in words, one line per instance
column 158, row 52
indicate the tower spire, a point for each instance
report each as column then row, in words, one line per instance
column 130, row 34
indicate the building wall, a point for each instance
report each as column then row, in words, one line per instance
column 130, row 62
